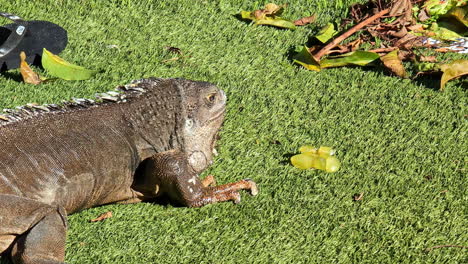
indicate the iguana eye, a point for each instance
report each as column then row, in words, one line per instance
column 211, row 98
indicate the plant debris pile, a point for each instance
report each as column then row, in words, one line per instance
column 389, row 31
column 393, row 31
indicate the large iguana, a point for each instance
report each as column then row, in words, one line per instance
column 153, row 137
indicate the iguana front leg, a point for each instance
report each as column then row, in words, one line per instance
column 171, row 173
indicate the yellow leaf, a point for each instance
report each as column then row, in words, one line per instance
column 394, row 64
column 29, row 76
column 453, row 70
column 305, row 58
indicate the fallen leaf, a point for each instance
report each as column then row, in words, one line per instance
column 358, row 58
column 354, row 45
column 423, row 15
column 460, row 14
column 438, row 7
column 427, row 58
column 58, row 67
column 29, row 76
column 402, row 8
column 269, row 16
column 102, row 217
column 358, row 197
column 326, row 33
column 416, row 28
column 270, row 9
column 305, row 58
column 305, row 20
column 340, row 49
column 401, row 33
column 443, row 50
column 441, row 32
column 453, row 70
column 394, row 64
column 277, row 22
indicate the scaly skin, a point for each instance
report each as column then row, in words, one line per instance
column 154, row 140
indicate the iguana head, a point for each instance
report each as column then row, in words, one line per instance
column 204, row 106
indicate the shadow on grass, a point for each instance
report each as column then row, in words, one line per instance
column 239, row 17
column 429, row 81
column 12, row 76
column 250, row 22
column 287, row 159
column 291, row 52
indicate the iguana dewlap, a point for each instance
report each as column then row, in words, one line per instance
column 153, row 137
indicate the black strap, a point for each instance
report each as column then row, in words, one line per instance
column 16, row 35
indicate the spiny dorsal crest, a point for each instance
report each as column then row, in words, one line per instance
column 121, row 94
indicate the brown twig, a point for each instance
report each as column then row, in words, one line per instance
column 384, row 50
column 444, row 246
column 348, row 33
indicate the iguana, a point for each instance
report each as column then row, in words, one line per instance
column 149, row 138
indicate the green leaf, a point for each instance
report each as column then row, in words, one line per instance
column 359, row 58
column 437, row 7
column 247, row 15
column 60, row 68
column 305, row 58
column 453, row 70
column 460, row 14
column 277, row 22
column 439, row 31
column 326, row 33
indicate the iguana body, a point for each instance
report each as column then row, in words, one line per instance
column 154, row 138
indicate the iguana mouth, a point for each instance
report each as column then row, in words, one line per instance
column 220, row 114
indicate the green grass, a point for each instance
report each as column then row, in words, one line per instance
column 402, row 143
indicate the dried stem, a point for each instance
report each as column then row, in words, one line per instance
column 444, row 246
column 384, row 50
column 348, row 33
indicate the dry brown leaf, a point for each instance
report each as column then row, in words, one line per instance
column 453, row 70
column 423, row 15
column 270, row 9
column 29, row 76
column 358, row 197
column 340, row 49
column 406, row 55
column 354, row 45
column 394, row 64
column 102, row 217
column 427, row 58
column 402, row 8
column 416, row 28
column 443, row 50
column 409, row 41
column 401, row 33
column 305, row 20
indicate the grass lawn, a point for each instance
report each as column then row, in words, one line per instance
column 402, row 143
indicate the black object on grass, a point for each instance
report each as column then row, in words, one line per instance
column 30, row 37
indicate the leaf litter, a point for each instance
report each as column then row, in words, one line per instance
column 396, row 31
column 102, row 217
